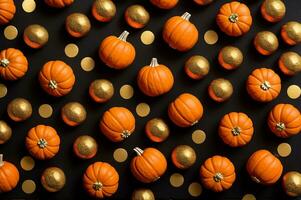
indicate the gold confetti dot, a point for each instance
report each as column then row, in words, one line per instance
column 142, row 109
column 27, row 163
column 284, row 149
column 248, row 197
column 87, row 64
column 198, row 136
column 210, row 37
column 147, row 37
column 28, row 186
column 71, row 50
column 120, row 155
column 176, row 180
column 126, row 91
column 29, row 5
column 195, row 189
column 293, row 91
column 45, row 110
column 3, row 90
column 10, row 32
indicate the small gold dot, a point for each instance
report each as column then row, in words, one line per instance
column 10, row 32
column 210, row 37
column 198, row 136
column 71, row 50
column 28, row 186
column 142, row 109
column 29, row 5
column 87, row 64
column 126, row 91
column 293, row 91
column 45, row 110
column 3, row 90
column 195, row 189
column 27, row 163
column 147, row 37
column 284, row 149
column 248, row 197
column 120, row 155
column 176, row 180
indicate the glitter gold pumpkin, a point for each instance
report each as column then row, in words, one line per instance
column 85, row 147
column 73, row 113
column 266, row 42
column 77, row 25
column 273, row 10
column 291, row 183
column 35, row 36
column 143, row 194
column 53, row 179
column 290, row 63
column 291, row 33
column 230, row 57
column 19, row 109
column 183, row 156
column 197, row 67
column 5, row 132
column 136, row 16
column 157, row 130
column 220, row 89
column 103, row 10
column 101, row 90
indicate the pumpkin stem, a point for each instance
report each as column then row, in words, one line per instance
column 42, row 143
column 138, row 151
column 97, row 186
column 125, row 134
column 52, row 84
column 123, row 36
column 4, row 62
column 154, row 62
column 233, row 18
column 218, row 177
column 265, row 85
column 186, row 16
column 280, row 126
column 236, row 131
column 1, row 160
column 255, row 179
column 193, row 123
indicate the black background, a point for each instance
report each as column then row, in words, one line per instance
column 204, row 19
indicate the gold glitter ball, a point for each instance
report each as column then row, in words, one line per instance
column 29, row 5
column 28, row 186
column 147, row 37
column 284, row 149
column 120, row 155
column 45, row 110
column 293, row 91
column 195, row 189
column 210, row 37
column 126, row 91
column 3, row 90
column 198, row 136
column 176, row 180
column 27, row 163
column 248, row 197
column 87, row 64
column 142, row 109
column 10, row 32
column 71, row 50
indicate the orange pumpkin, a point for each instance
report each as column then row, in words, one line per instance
column 203, row 2
column 179, row 33
column 42, row 142
column 186, row 110
column 217, row 173
column 117, row 124
column 263, row 85
column 285, row 120
column 101, row 180
column 117, row 53
column 165, row 4
column 149, row 165
column 273, row 10
column 234, row 18
column 236, row 129
column 7, row 11
column 155, row 79
column 9, row 175
column 264, row 167
column 59, row 3
column 57, row 78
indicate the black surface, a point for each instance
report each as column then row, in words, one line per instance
column 204, row 19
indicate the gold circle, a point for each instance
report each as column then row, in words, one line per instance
column 27, row 163
column 248, row 197
column 210, row 37
column 120, row 155
column 198, row 136
column 87, row 64
column 147, row 37
column 29, row 5
column 284, row 149
column 3, row 90
column 142, row 109
column 28, row 186
column 195, row 189
column 45, row 110
column 71, row 50
column 176, row 180
column 293, row 91
column 10, row 32
column 126, row 91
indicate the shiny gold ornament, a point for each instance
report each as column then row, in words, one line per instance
column 53, row 179
column 291, row 32
column 103, row 10
column 290, row 63
column 5, row 132
column 157, row 130
column 77, row 25
column 196, row 67
column 183, row 156
column 291, row 183
column 101, row 90
column 35, row 36
column 136, row 16
column 266, row 42
column 85, row 147
column 220, row 89
column 19, row 109
column 230, row 57
column 273, row 10
column 143, row 194
column 73, row 113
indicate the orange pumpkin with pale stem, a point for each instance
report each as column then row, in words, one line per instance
column 56, row 78
column 203, row 2
column 13, row 64
column 117, row 53
column 9, row 175
column 155, row 79
column 264, row 167
column 263, row 85
column 165, row 4
column 59, row 3
column 186, row 110
column 179, row 33
column 285, row 120
column 149, row 165
column 117, row 124
column 236, row 129
column 101, row 180
column 234, row 18
column 217, row 173
column 7, row 11
column 42, row 142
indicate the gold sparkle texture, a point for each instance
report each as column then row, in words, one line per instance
column 120, row 155
column 142, row 109
column 27, row 163
column 10, row 32
column 147, row 37
column 28, row 186
column 126, row 91
column 211, row 37
column 71, row 50
column 176, row 180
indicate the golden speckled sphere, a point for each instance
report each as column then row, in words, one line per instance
column 291, row 183
column 137, row 16
column 220, row 90
column 266, row 42
column 273, row 10
column 103, row 10
column 230, row 57
column 290, row 63
column 101, row 90
column 73, row 113
column 19, row 109
column 77, row 25
column 157, row 130
column 197, row 67
column 143, row 194
column 35, row 36
column 5, row 132
column 291, row 33
column 183, row 156
column 53, row 179
column 85, row 147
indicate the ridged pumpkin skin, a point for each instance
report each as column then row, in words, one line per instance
column 285, row 120
column 13, row 64
column 56, row 78
column 117, row 124
column 234, row 19
column 186, row 110
column 179, row 33
column 217, row 173
column 42, row 142
column 264, row 167
column 236, row 129
column 165, row 4
column 59, row 3
column 155, row 79
column 263, row 85
column 203, row 2
column 7, row 11
column 149, row 165
column 100, row 180
column 9, row 176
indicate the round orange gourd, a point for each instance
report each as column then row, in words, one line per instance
column 285, row 120
column 59, row 3
column 117, row 124
column 203, row 2
column 101, row 180
column 165, row 4
column 234, row 18
column 9, row 176
column 155, row 79
column 117, row 53
column 263, row 85
column 179, row 33
column 13, row 64
column 236, row 129
column 42, row 142
column 217, row 173
column 186, row 110
column 7, row 11
column 149, row 165
column 264, row 167
column 56, row 78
